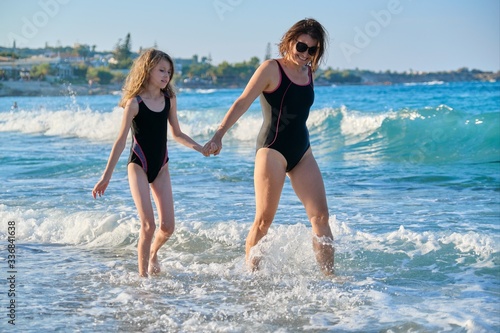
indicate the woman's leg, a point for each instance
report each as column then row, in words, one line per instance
column 139, row 187
column 269, row 177
column 162, row 194
column 307, row 183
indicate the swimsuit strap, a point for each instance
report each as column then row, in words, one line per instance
column 283, row 74
column 282, row 71
column 139, row 99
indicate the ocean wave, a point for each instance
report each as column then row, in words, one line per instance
column 429, row 135
column 86, row 123
column 383, row 280
column 284, row 245
column 437, row 134
column 428, row 83
column 197, row 91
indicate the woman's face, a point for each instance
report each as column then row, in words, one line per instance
column 303, row 49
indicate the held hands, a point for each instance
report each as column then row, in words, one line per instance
column 211, row 148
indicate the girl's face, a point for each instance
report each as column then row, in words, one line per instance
column 303, row 49
column 161, row 74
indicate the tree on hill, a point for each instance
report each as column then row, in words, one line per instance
column 40, row 71
column 82, row 50
column 101, row 75
column 229, row 75
column 123, row 54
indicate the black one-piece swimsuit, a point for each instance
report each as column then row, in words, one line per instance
column 285, row 111
column 149, row 139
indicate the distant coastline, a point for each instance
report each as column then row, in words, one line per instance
column 80, row 70
column 44, row 88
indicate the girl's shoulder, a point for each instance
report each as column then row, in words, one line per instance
column 170, row 96
column 132, row 106
column 134, row 101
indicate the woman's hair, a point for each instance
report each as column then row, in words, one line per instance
column 309, row 27
column 138, row 76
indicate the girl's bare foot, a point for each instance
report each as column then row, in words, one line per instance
column 154, row 266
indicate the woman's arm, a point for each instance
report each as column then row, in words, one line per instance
column 261, row 80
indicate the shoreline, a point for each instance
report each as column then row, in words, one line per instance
column 44, row 88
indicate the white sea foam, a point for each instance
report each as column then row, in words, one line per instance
column 286, row 247
column 356, row 126
column 85, row 124
column 205, row 284
column 104, row 126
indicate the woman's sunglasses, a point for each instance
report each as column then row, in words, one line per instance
column 302, row 47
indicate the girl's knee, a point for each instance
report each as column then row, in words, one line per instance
column 167, row 228
column 148, row 228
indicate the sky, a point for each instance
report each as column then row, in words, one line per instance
column 378, row 35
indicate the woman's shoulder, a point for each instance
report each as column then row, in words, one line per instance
column 269, row 67
column 270, row 63
column 271, row 74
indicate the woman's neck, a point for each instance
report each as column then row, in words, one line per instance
column 293, row 66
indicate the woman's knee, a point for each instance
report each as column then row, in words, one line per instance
column 322, row 215
column 320, row 219
column 262, row 224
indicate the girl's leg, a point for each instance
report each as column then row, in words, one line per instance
column 139, row 187
column 307, row 183
column 269, row 177
column 162, row 194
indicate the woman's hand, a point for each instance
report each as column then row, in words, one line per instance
column 212, row 148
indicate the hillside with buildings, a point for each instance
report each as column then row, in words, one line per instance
column 82, row 70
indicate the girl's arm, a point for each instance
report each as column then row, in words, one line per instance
column 177, row 133
column 131, row 110
column 261, row 80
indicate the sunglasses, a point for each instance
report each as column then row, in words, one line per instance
column 302, row 47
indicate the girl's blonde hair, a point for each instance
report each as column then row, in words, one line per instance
column 309, row 27
column 138, row 76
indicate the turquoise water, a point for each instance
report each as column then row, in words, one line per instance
column 412, row 174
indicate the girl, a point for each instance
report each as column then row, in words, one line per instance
column 149, row 101
column 286, row 91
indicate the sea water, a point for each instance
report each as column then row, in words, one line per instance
column 412, row 175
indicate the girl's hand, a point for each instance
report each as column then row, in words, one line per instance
column 100, row 188
column 213, row 148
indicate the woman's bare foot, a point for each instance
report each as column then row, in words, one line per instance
column 253, row 263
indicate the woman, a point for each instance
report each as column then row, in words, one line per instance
column 285, row 87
